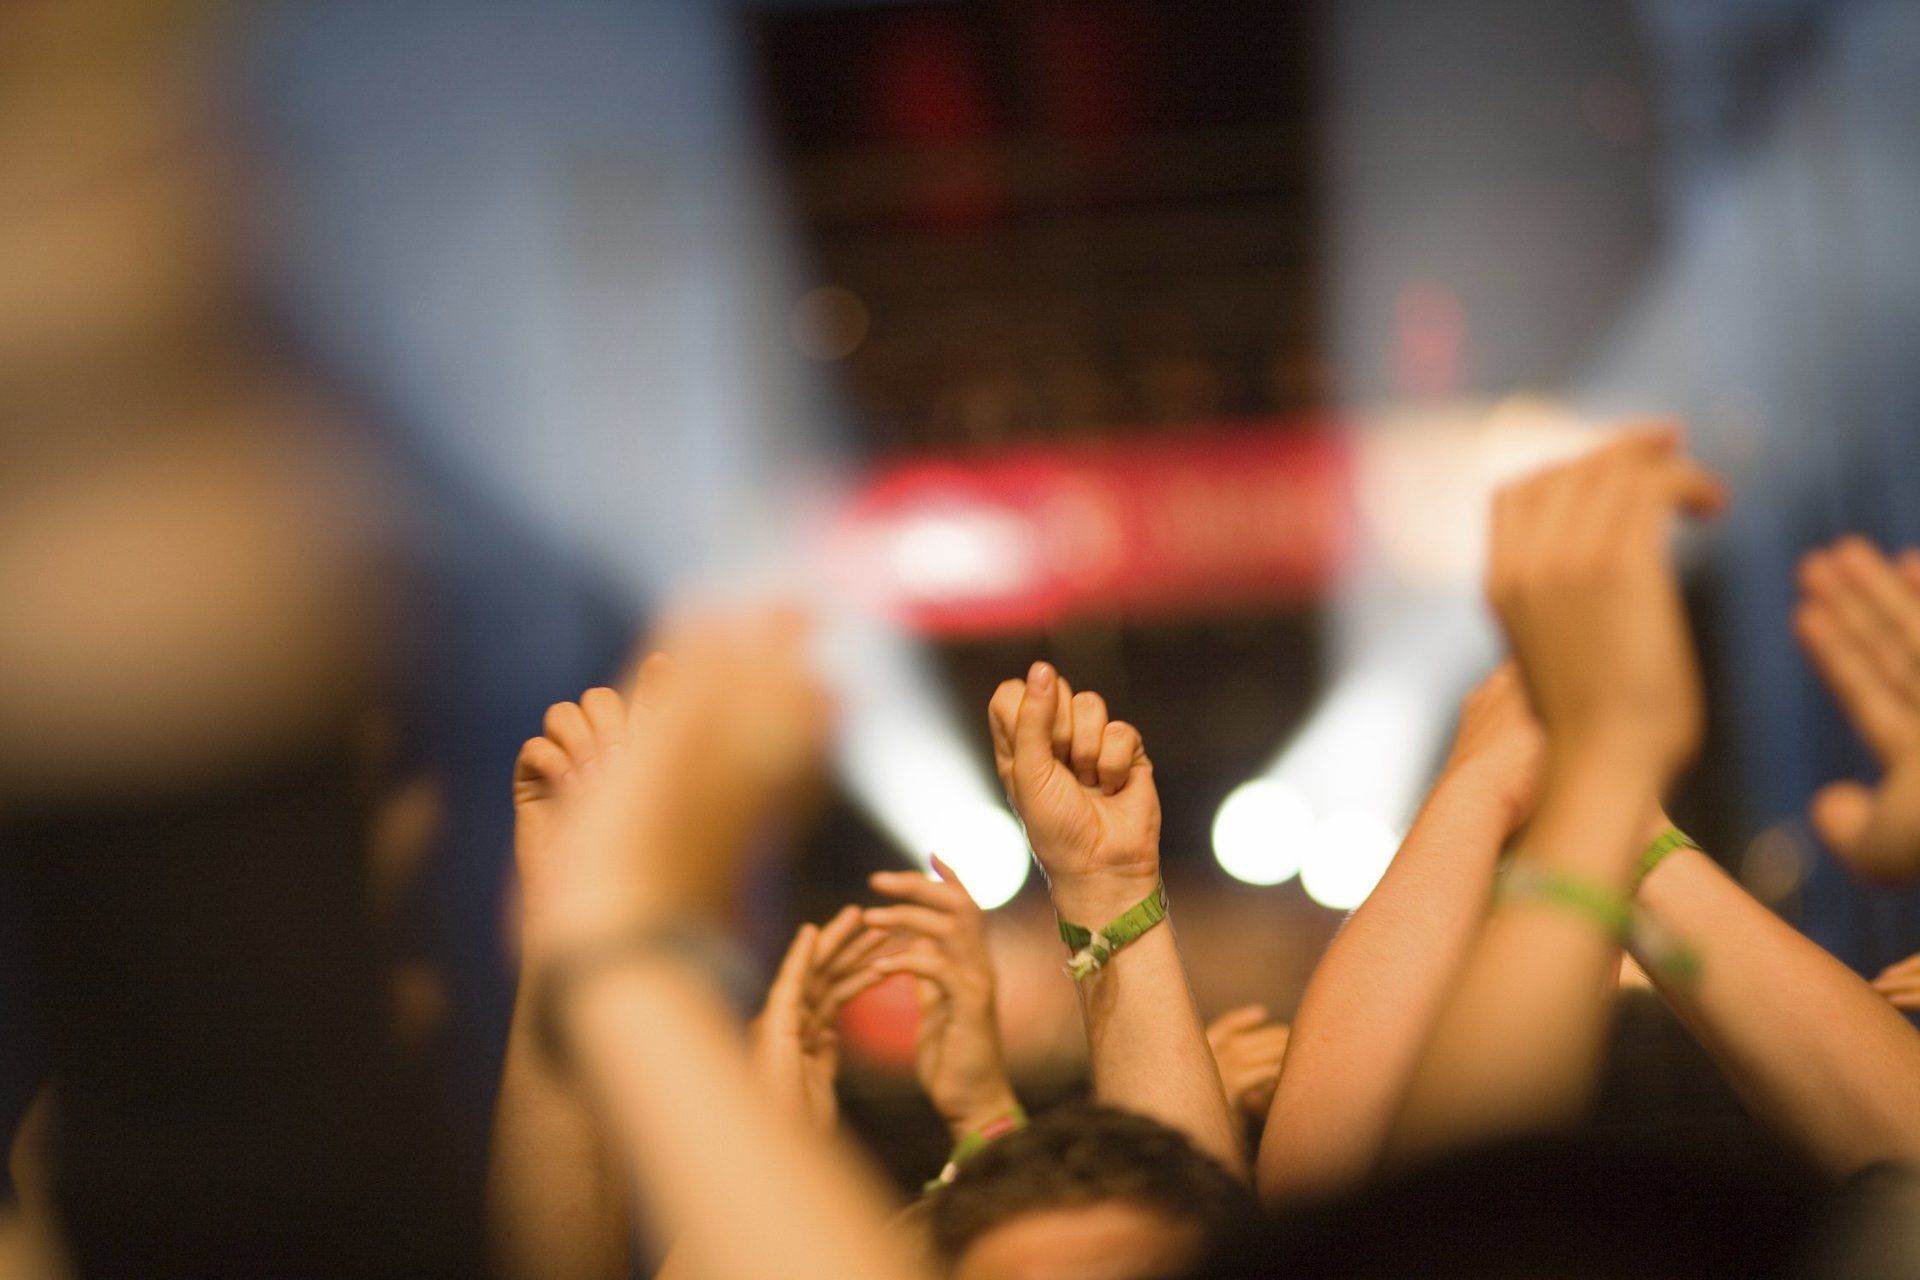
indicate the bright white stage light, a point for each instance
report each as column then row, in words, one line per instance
column 1346, row 857
column 1260, row 831
column 911, row 770
column 988, row 851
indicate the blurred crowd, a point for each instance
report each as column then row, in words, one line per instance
column 1557, row 1039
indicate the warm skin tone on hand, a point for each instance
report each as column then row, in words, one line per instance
column 1374, row 997
column 1581, row 577
column 730, row 732
column 1859, row 620
column 796, row 1046
column 1083, row 786
column 958, row 1056
column 1248, row 1047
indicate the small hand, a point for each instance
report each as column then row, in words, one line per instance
column 729, row 730
column 1500, row 744
column 553, row 775
column 1083, row 786
column 1859, row 620
column 794, row 1042
column 958, row 1060
column 1581, row 576
column 1248, row 1046
column 1900, row 984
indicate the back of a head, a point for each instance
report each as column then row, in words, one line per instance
column 1086, row 1180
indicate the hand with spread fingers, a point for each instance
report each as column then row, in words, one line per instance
column 727, row 731
column 1583, row 582
column 1859, row 620
column 795, row 1044
column 558, row 770
column 1083, row 786
column 1249, row 1047
column 959, row 1060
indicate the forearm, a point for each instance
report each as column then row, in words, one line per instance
column 1149, row 1047
column 1517, row 1046
column 556, row 1200
column 1374, row 997
column 742, row 1188
column 30, row 1244
column 1811, row 1048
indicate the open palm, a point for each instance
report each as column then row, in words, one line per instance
column 1859, row 619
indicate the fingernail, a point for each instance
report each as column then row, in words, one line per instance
column 1040, row 676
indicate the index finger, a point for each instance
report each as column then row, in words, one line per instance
column 911, row 886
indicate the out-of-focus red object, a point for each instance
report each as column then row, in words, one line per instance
column 1254, row 514
column 881, row 1025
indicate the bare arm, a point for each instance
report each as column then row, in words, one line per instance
column 1581, row 578
column 1374, row 997
column 1810, row 1047
column 556, row 1200
column 1518, row 1045
column 745, row 1186
column 1084, row 787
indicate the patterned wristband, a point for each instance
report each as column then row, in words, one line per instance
column 1526, row 882
column 1092, row 949
column 1656, row 853
column 972, row 1144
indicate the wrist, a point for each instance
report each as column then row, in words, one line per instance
column 980, row 1114
column 1092, row 900
column 1488, row 787
column 1623, row 747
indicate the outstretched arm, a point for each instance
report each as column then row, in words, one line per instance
column 1812, row 1048
column 1374, row 997
column 744, row 1186
column 1581, row 578
column 1084, row 788
column 557, row 1202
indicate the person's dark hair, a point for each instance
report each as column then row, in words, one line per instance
column 1086, row 1154
column 1576, row 1206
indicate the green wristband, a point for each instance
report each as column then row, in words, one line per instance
column 1656, row 853
column 1092, row 949
column 978, row 1140
column 1526, row 882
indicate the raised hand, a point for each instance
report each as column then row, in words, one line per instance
column 1083, row 786
column 727, row 732
column 958, row 1059
column 1859, row 620
column 1582, row 579
column 1249, row 1046
column 795, row 1045
column 557, row 770
column 1500, row 745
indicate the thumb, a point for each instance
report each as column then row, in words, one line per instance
column 1033, row 758
column 1841, row 813
column 1245, row 1018
column 1694, row 489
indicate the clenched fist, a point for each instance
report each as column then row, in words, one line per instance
column 1083, row 786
